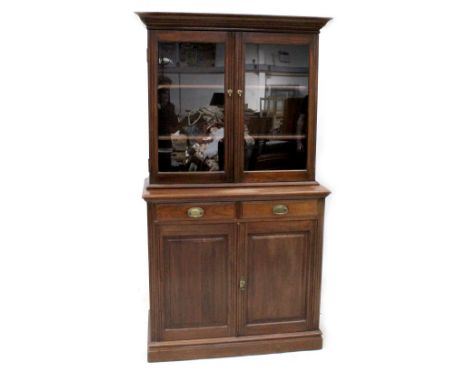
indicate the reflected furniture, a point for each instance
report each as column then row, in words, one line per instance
column 235, row 215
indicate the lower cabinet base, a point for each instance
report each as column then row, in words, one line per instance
column 233, row 346
column 239, row 277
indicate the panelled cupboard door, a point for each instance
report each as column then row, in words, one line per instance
column 278, row 261
column 197, row 296
column 191, row 106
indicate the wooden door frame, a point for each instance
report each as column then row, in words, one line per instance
column 312, row 40
column 156, row 36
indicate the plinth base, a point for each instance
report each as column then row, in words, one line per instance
column 233, row 346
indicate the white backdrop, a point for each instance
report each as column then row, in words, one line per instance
column 392, row 137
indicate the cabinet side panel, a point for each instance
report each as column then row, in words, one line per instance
column 153, row 273
column 316, row 269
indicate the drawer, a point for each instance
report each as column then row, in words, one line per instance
column 279, row 208
column 195, row 211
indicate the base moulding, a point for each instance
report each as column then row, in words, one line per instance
column 233, row 346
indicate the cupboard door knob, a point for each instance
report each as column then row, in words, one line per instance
column 239, row 92
column 229, row 92
column 242, row 283
column 280, row 209
column 195, row 212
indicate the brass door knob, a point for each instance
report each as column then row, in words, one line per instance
column 239, row 92
column 229, row 92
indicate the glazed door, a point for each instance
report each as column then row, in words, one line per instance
column 196, row 268
column 276, row 114
column 277, row 263
column 191, row 106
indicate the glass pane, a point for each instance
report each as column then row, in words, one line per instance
column 275, row 110
column 191, row 107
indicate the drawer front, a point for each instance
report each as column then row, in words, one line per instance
column 195, row 211
column 279, row 209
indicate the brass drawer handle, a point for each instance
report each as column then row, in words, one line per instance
column 280, row 209
column 195, row 212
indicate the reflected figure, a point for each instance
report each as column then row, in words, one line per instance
column 167, row 118
column 167, row 122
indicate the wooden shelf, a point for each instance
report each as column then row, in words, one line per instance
column 263, row 136
column 272, row 69
column 286, row 87
column 280, row 137
column 197, row 86
column 249, row 68
column 191, row 70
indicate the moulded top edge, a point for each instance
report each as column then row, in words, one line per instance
column 235, row 22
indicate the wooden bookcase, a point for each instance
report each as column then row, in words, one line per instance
column 235, row 215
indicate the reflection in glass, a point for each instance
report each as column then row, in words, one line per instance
column 276, row 104
column 191, row 107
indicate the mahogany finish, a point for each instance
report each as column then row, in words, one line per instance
column 235, row 254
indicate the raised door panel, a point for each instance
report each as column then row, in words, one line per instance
column 197, row 278
column 275, row 268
